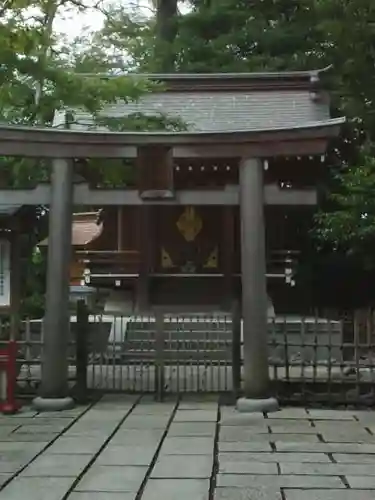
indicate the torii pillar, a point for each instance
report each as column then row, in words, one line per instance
column 54, row 394
column 254, row 290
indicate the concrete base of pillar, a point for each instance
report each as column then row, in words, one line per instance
column 53, row 404
column 248, row 405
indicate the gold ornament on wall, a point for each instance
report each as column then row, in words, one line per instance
column 189, row 224
column 213, row 259
column 166, row 261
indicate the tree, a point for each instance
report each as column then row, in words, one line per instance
column 38, row 76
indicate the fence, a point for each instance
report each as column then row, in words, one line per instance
column 310, row 359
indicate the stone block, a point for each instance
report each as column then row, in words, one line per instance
column 137, row 437
column 74, row 446
column 339, row 415
column 111, row 479
column 7, row 429
column 27, row 438
column 328, row 469
column 56, row 466
column 47, row 429
column 291, row 413
column 325, row 447
column 273, row 481
column 198, row 405
column 354, row 458
column 4, row 478
column 8, row 467
column 348, row 437
column 127, row 455
column 183, row 467
column 244, row 446
column 275, row 457
column 361, row 481
column 245, row 467
column 247, row 435
column 328, row 495
column 145, row 422
column 195, row 416
column 188, row 446
column 97, row 495
column 36, row 488
column 260, row 493
column 182, row 429
column 282, row 428
column 176, row 489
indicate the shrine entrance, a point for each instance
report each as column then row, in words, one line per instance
column 300, row 129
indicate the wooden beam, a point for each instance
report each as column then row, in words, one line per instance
column 57, row 143
column 83, row 195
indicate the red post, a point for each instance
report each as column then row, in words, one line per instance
column 8, row 362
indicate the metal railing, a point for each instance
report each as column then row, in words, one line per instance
column 310, row 359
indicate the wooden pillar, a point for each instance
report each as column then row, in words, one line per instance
column 253, row 272
column 227, row 254
column 54, row 387
column 144, row 248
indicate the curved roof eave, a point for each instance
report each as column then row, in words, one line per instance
column 51, row 134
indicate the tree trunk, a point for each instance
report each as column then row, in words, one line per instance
column 166, row 30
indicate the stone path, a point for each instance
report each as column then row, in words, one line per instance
column 135, row 449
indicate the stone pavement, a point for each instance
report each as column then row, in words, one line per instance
column 132, row 448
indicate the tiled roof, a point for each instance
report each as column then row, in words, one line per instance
column 215, row 111
column 85, row 229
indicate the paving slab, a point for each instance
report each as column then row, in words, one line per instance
column 4, row 477
column 31, row 447
column 48, row 429
column 127, row 455
column 198, row 405
column 45, row 422
column 11, row 467
column 273, row 481
column 261, row 493
column 322, row 414
column 245, row 467
column 73, row 446
column 241, row 447
column 246, row 434
column 195, row 416
column 360, row 481
column 37, row 437
column 354, row 458
column 87, row 432
column 137, row 437
column 328, row 469
column 145, row 422
column 96, row 495
column 7, row 429
column 56, row 466
column 187, row 446
column 111, row 479
column 290, row 413
column 328, row 495
column 293, row 429
column 341, row 437
column 183, row 467
column 74, row 412
column 176, row 489
column 35, row 488
column 275, row 457
column 325, row 447
column 249, row 420
column 181, row 429
column 153, row 409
